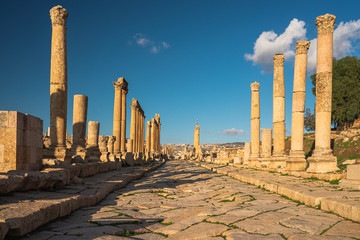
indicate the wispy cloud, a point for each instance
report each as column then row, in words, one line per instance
column 209, row 131
column 144, row 41
column 346, row 36
column 233, row 132
column 269, row 43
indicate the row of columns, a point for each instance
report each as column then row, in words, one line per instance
column 322, row 159
column 137, row 127
column 155, row 147
column 58, row 108
column 119, row 124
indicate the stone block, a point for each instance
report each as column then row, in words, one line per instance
column 353, row 172
column 20, row 141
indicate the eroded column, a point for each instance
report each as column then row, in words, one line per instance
column 278, row 158
column 266, row 140
column 296, row 160
column 79, row 121
column 93, row 134
column 158, row 146
column 322, row 159
column 196, row 137
column 117, row 115
column 255, row 125
column 58, row 77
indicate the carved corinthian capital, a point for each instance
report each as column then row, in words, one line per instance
column 325, row 23
column 255, row 86
column 278, row 60
column 58, row 15
column 302, row 47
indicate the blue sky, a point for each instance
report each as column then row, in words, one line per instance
column 188, row 60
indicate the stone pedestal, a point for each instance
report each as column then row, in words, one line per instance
column 266, row 139
column 255, row 126
column 110, row 147
column 322, row 159
column 278, row 157
column 20, row 141
column 296, row 160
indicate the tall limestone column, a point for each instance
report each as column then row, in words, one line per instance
column 255, row 125
column 117, row 115
column 278, row 159
column 153, row 137
column 296, row 160
column 148, row 138
column 79, row 122
column 322, row 159
column 123, row 116
column 197, row 136
column 157, row 118
column 133, row 124
column 266, row 138
column 58, row 77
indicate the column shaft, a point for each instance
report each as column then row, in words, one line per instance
column 93, row 134
column 117, row 115
column 79, row 121
column 133, row 125
column 148, row 136
column 58, row 77
column 123, row 120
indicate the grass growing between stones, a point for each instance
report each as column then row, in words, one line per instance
column 228, row 200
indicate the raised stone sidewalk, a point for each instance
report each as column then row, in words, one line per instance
column 23, row 212
column 324, row 195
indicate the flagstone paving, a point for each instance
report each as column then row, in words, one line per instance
column 183, row 201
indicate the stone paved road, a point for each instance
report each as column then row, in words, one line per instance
column 183, row 201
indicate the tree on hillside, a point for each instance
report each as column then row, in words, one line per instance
column 309, row 120
column 345, row 91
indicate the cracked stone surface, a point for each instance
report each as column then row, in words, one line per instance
column 183, row 201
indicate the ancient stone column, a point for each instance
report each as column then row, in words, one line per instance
column 133, row 124
column 58, row 77
column 93, row 134
column 197, row 136
column 255, row 125
column 322, row 159
column 246, row 153
column 296, row 160
column 79, row 121
column 142, row 133
column 153, row 137
column 123, row 116
column 278, row 158
column 103, row 140
column 148, row 137
column 266, row 138
column 117, row 115
column 157, row 118
column 110, row 144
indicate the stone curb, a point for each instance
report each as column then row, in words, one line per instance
column 35, row 213
column 349, row 210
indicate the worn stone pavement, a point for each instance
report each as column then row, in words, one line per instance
column 183, row 201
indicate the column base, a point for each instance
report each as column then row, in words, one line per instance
column 296, row 161
column 254, row 161
column 322, row 161
column 82, row 152
column 56, row 155
column 94, row 154
column 277, row 162
column 264, row 162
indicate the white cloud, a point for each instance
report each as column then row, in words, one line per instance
column 154, row 47
column 269, row 43
column 233, row 131
column 345, row 36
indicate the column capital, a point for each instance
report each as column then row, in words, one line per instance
column 255, row 86
column 58, row 15
column 302, row 47
column 278, row 60
column 325, row 23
